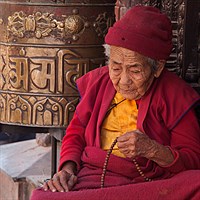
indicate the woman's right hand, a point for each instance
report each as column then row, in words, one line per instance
column 62, row 181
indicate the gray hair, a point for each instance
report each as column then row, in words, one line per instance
column 152, row 62
column 107, row 52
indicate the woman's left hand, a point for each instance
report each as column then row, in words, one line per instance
column 136, row 143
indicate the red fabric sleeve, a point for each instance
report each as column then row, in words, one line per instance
column 185, row 143
column 73, row 142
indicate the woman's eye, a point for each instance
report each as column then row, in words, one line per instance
column 116, row 69
column 135, row 71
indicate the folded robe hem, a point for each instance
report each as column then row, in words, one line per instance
column 183, row 186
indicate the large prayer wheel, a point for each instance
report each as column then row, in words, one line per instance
column 45, row 45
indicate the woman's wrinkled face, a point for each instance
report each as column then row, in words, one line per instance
column 130, row 72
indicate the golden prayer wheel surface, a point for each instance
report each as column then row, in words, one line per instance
column 44, row 47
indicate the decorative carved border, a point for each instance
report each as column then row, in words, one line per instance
column 71, row 27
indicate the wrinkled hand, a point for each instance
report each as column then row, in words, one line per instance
column 136, row 143
column 62, row 181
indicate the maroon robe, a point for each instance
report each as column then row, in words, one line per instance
column 160, row 116
column 165, row 114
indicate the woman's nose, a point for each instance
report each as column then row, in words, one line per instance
column 125, row 79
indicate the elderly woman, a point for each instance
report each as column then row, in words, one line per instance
column 147, row 108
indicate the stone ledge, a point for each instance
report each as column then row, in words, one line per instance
column 22, row 166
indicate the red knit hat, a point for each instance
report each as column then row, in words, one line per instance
column 143, row 29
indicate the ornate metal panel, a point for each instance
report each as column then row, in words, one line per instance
column 44, row 47
column 191, row 63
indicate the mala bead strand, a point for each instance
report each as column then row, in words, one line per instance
column 106, row 164
column 140, row 171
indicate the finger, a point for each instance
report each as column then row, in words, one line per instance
column 72, row 181
column 126, row 136
column 125, row 150
column 45, row 186
column 64, row 178
column 51, row 186
column 121, row 146
column 127, row 144
column 128, row 153
column 123, row 138
column 128, row 148
column 57, row 184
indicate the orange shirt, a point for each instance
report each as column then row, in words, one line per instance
column 121, row 119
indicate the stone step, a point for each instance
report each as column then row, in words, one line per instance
column 23, row 166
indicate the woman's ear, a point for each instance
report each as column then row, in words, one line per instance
column 160, row 66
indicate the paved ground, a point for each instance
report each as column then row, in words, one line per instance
column 22, row 166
